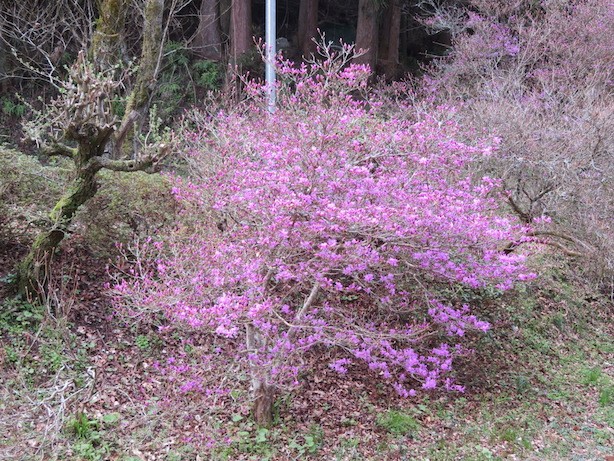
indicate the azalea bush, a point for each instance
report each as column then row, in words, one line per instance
column 325, row 224
column 539, row 76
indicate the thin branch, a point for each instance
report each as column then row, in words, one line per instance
column 308, row 302
column 127, row 124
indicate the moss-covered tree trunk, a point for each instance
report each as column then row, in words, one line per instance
column 87, row 123
column 138, row 101
column 33, row 271
column 108, row 44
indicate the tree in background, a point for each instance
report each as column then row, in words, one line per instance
column 241, row 37
column 367, row 31
column 80, row 124
column 390, row 32
column 207, row 42
column 539, row 76
column 307, row 26
column 108, row 42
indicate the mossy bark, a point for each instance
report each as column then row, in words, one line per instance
column 108, row 45
column 138, row 101
column 33, row 271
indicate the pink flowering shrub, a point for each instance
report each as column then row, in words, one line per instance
column 324, row 224
column 538, row 75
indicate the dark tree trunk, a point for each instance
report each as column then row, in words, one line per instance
column 207, row 40
column 389, row 39
column 307, row 26
column 367, row 32
column 240, row 28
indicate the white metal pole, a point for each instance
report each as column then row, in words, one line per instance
column 271, row 51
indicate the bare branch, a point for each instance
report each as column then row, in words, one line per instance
column 127, row 124
column 58, row 149
column 125, row 165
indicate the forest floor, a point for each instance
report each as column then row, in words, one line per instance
column 80, row 383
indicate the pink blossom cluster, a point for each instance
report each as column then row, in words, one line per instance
column 326, row 224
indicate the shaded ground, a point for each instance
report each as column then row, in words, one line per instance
column 79, row 383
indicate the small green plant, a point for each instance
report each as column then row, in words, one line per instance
column 52, row 358
column 207, row 74
column 81, row 426
column 89, row 444
column 606, row 396
column 17, row 315
column 310, row 443
column 111, row 419
column 591, row 376
column 142, row 342
column 523, row 384
column 11, row 108
column 397, row 423
column 509, row 434
column 176, row 54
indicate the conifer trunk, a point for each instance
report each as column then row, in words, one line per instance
column 390, row 38
column 207, row 40
column 367, row 32
column 240, row 28
column 307, row 26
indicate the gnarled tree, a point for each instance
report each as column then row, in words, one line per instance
column 80, row 125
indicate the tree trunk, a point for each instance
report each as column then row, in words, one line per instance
column 389, row 39
column 264, row 397
column 262, row 392
column 307, row 26
column 138, row 101
column 367, row 32
column 108, row 44
column 207, row 40
column 240, row 28
column 3, row 62
column 33, row 271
